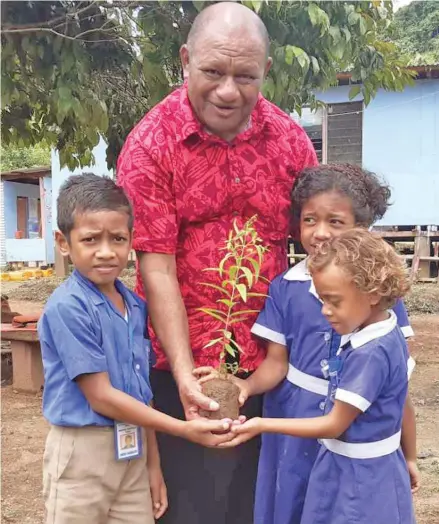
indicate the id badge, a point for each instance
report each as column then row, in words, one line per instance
column 128, row 441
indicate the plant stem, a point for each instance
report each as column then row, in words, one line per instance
column 238, row 262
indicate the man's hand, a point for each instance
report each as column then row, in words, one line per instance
column 159, row 494
column 193, row 399
column 206, row 373
column 415, row 475
column 202, row 432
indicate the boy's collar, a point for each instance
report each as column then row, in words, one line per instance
column 371, row 332
column 97, row 297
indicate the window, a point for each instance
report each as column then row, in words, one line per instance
column 314, row 123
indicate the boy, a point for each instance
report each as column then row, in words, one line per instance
column 96, row 370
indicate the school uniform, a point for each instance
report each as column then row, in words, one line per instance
column 292, row 317
column 362, row 476
column 82, row 332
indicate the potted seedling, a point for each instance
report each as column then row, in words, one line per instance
column 238, row 273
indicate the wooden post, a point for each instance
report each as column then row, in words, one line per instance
column 424, row 251
column 27, row 366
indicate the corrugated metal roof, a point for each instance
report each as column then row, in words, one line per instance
column 27, row 172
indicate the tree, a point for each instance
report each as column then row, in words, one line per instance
column 14, row 157
column 74, row 70
column 416, row 32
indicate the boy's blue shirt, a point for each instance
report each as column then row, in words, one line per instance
column 82, row 332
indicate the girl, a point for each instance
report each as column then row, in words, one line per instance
column 326, row 200
column 360, row 474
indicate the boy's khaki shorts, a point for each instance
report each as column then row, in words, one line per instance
column 84, row 484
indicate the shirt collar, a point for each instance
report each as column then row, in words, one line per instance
column 299, row 273
column 371, row 332
column 190, row 125
column 97, row 297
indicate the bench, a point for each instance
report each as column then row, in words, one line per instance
column 27, row 364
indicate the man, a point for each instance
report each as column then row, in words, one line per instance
column 212, row 152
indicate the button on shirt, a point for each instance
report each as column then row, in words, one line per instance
column 82, row 332
column 187, row 188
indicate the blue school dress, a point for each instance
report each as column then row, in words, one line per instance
column 362, row 476
column 292, row 317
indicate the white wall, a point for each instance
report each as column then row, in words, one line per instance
column 12, row 190
column 25, row 250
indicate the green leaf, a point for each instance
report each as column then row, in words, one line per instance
column 315, row 65
column 346, row 33
column 218, row 315
column 363, row 26
column 198, row 4
column 335, row 34
column 223, row 261
column 213, row 342
column 244, row 312
column 237, row 346
column 256, row 267
column 230, row 350
column 269, row 88
column 252, row 295
column 248, row 275
column 227, row 302
column 242, row 290
column 224, row 291
column 318, row 17
column 233, row 270
column 256, row 5
column 355, row 90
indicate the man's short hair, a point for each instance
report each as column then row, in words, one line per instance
column 89, row 193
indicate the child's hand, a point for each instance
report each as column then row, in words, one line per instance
column 202, row 431
column 243, row 432
column 159, row 493
column 415, row 475
column 206, row 373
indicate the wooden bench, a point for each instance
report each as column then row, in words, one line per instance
column 27, row 364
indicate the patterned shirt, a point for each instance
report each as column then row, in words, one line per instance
column 187, row 187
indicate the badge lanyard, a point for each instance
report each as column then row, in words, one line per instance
column 332, row 366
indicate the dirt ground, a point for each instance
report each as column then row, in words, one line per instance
column 24, row 430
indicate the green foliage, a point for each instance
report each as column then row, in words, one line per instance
column 238, row 273
column 13, row 157
column 416, row 32
column 74, row 70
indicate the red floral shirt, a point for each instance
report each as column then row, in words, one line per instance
column 188, row 186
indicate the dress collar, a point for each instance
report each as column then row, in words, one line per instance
column 371, row 332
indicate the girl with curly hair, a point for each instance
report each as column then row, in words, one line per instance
column 326, row 201
column 360, row 474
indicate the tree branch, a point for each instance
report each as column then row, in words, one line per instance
column 49, row 23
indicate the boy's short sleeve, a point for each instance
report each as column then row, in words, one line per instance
column 403, row 319
column 66, row 329
column 150, row 189
column 270, row 321
column 363, row 376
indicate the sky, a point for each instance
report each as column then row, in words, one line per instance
column 401, row 3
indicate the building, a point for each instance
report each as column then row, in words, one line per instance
column 26, row 229
column 396, row 136
column 28, row 209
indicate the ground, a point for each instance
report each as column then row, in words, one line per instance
column 24, row 431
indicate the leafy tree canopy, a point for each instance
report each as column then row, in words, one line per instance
column 15, row 157
column 416, row 32
column 74, row 70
